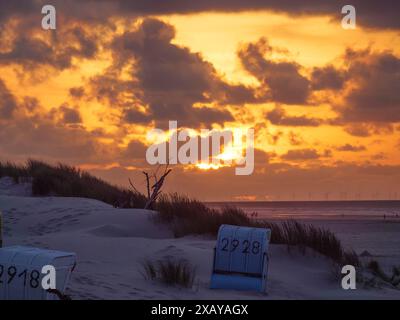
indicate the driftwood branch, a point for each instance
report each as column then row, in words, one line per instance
column 153, row 189
column 156, row 188
column 147, row 184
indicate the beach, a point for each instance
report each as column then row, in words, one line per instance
column 112, row 243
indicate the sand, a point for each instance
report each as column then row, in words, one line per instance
column 111, row 243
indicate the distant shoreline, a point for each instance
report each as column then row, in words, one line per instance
column 301, row 201
column 318, row 210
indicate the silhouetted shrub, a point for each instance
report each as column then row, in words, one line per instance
column 171, row 272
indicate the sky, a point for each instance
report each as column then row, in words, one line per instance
column 324, row 101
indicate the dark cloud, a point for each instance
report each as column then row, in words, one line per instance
column 376, row 96
column 70, row 115
column 238, row 94
column 169, row 80
column 35, row 132
column 370, row 13
column 351, row 148
column 117, row 93
column 283, row 79
column 77, row 92
column 42, row 138
column 306, row 154
column 135, row 150
column 262, row 158
column 327, row 77
column 359, row 130
column 301, row 154
column 279, row 117
column 368, row 129
column 8, row 102
column 57, row 51
column 210, row 115
column 9, row 9
column 134, row 116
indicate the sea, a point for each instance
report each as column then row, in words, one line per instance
column 382, row 209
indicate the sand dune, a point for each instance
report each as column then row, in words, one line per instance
column 111, row 243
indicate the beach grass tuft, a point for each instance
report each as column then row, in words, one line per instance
column 170, row 272
column 378, row 272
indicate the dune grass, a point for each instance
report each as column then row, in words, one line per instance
column 189, row 216
column 170, row 272
column 67, row 181
column 378, row 272
column 320, row 240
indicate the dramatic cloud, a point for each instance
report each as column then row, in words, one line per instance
column 9, row 9
column 7, row 102
column 135, row 150
column 131, row 115
column 283, row 79
column 306, row 154
column 43, row 139
column 170, row 81
column 370, row 13
column 359, row 130
column 375, row 14
column 352, row 148
column 77, row 92
column 58, row 50
column 70, row 116
column 368, row 129
column 376, row 97
column 125, row 71
column 279, row 117
column 36, row 133
column 327, row 78
column 301, row 154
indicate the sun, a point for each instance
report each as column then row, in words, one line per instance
column 230, row 154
